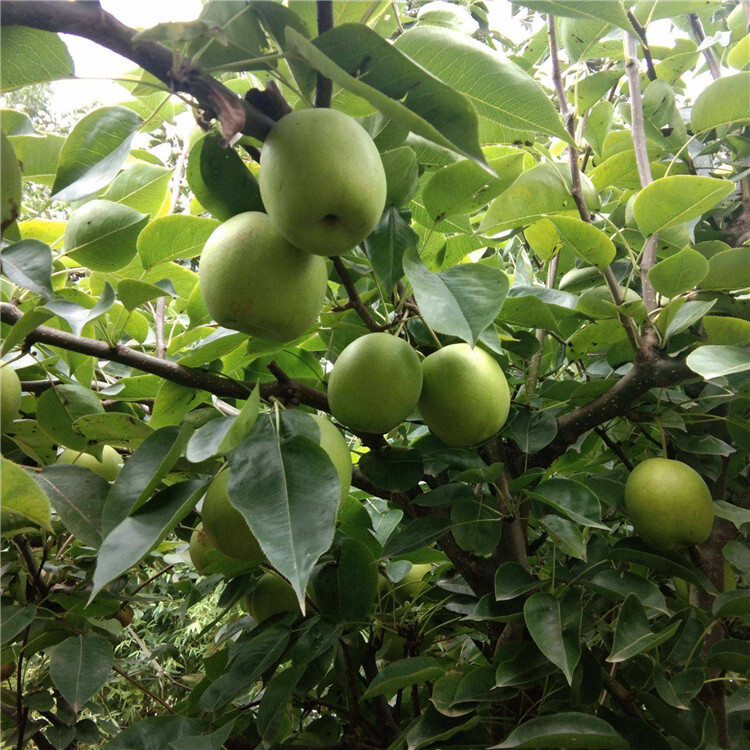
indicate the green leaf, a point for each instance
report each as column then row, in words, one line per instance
column 400, row 89
column 80, row 666
column 618, row 584
column 565, row 534
column 175, row 237
column 460, row 301
column 28, row 264
column 432, row 727
column 555, row 626
column 14, row 618
column 599, row 124
column 533, row 430
column 57, row 409
column 133, row 293
column 77, row 495
column 542, row 190
column 729, row 270
column 213, row 741
column 674, row 200
column 112, row 428
column 500, row 91
column 77, row 316
column 722, row 103
column 253, row 656
column 720, row 330
column 611, row 11
column 679, row 272
column 585, row 240
column 393, row 469
column 671, row 563
column 102, row 235
column 219, row 436
column 39, row 155
column 477, row 525
column 401, row 674
column 156, row 733
column 734, row 513
column 731, row 654
column 402, row 175
column 388, row 242
column 565, row 729
column 464, row 187
column 732, row 603
column 32, row 56
column 143, row 187
column 633, row 634
column 221, row 182
column 175, row 401
column 520, row 663
column 571, row 498
column 718, row 361
column 512, row 580
column 30, row 321
column 141, row 474
column 94, row 152
column 132, row 539
column 418, row 533
column 687, row 315
column 287, row 490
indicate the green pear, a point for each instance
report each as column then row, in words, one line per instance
column 201, row 550
column 225, row 526
column 668, row 504
column 465, row 397
column 10, row 183
column 271, row 596
column 335, row 445
column 375, row 383
column 10, row 396
column 411, row 584
column 108, row 468
column 322, row 180
column 254, row 281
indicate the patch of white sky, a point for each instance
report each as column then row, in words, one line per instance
column 96, row 66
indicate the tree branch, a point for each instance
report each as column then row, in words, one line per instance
column 638, row 131
column 700, row 37
column 87, row 19
column 324, row 86
column 188, row 376
column 641, row 31
column 355, row 301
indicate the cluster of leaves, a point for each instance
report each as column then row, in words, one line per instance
column 542, row 621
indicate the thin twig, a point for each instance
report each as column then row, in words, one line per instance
column 615, row 447
column 638, row 130
column 144, row 689
column 700, row 37
column 355, row 301
column 641, row 31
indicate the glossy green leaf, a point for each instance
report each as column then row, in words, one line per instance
column 418, row 533
column 718, row 361
column 520, row 663
column 80, row 666
column 565, row 534
column 388, row 242
column 724, row 102
column 22, row 495
column 133, row 293
column 39, row 155
column 401, row 674
column 565, row 729
column 102, row 235
column 512, row 580
column 400, row 89
column 618, row 584
column 679, row 272
column 533, row 430
column 587, row 241
column 393, row 469
column 500, row 91
column 59, row 407
column 571, row 498
column 672, row 563
column 32, row 56
column 175, row 237
column 598, row 125
column 141, row 474
column 94, row 152
column 730, row 654
column 732, row 603
column 669, row 201
column 77, row 494
column 123, row 430
column 156, row 733
column 542, row 190
column 729, row 270
column 460, row 301
column 15, row 618
column 132, row 539
column 729, row 331
column 287, row 490
column 143, row 187
column 402, row 175
column 555, row 624
column 633, row 634
column 687, row 315
column 28, row 264
column 477, row 525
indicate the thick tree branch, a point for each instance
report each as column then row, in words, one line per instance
column 188, row 376
column 324, row 86
column 87, row 19
column 638, row 130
